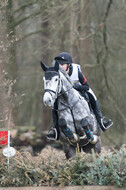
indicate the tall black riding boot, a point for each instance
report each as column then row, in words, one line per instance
column 104, row 123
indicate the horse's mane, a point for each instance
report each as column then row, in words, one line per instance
column 63, row 72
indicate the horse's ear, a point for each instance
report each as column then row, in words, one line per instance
column 56, row 66
column 44, row 67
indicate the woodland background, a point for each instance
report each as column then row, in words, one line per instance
column 93, row 31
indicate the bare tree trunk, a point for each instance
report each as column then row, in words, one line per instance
column 5, row 110
column 46, row 114
column 11, row 66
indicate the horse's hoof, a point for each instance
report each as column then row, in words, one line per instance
column 75, row 139
column 95, row 140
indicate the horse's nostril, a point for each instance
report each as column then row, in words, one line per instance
column 47, row 99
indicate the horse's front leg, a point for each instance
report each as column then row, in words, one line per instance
column 71, row 137
column 85, row 125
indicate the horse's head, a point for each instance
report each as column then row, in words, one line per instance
column 52, row 84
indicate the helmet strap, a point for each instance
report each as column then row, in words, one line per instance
column 68, row 66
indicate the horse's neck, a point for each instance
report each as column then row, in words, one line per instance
column 68, row 93
column 66, row 84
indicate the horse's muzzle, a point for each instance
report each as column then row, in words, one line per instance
column 48, row 100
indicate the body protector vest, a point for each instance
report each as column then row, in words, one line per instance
column 74, row 76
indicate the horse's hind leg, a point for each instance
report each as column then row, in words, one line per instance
column 69, row 150
column 88, row 148
column 96, row 147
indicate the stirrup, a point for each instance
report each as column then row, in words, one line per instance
column 106, row 119
column 53, row 138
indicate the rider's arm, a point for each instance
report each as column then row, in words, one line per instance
column 84, row 84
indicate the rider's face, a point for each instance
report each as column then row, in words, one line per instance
column 64, row 66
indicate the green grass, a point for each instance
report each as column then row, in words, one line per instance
column 50, row 168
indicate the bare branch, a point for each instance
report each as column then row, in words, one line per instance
column 24, row 6
column 93, row 66
column 30, row 34
column 25, row 18
column 105, row 40
column 118, row 109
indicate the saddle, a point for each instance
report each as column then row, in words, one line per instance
column 86, row 97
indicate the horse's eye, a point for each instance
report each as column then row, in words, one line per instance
column 56, row 79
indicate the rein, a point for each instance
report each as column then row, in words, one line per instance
column 56, row 92
column 71, row 110
column 49, row 90
column 66, row 105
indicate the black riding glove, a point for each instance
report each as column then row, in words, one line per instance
column 81, row 88
column 77, row 86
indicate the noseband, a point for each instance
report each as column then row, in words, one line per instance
column 59, row 83
column 49, row 90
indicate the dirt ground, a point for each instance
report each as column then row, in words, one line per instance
column 65, row 188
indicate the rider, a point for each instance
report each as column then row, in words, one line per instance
column 79, row 83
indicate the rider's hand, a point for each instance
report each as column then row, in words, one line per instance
column 77, row 86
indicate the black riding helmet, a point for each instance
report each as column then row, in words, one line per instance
column 64, row 58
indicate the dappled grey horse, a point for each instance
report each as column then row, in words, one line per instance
column 76, row 123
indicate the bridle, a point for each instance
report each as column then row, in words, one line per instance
column 59, row 87
column 57, row 92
